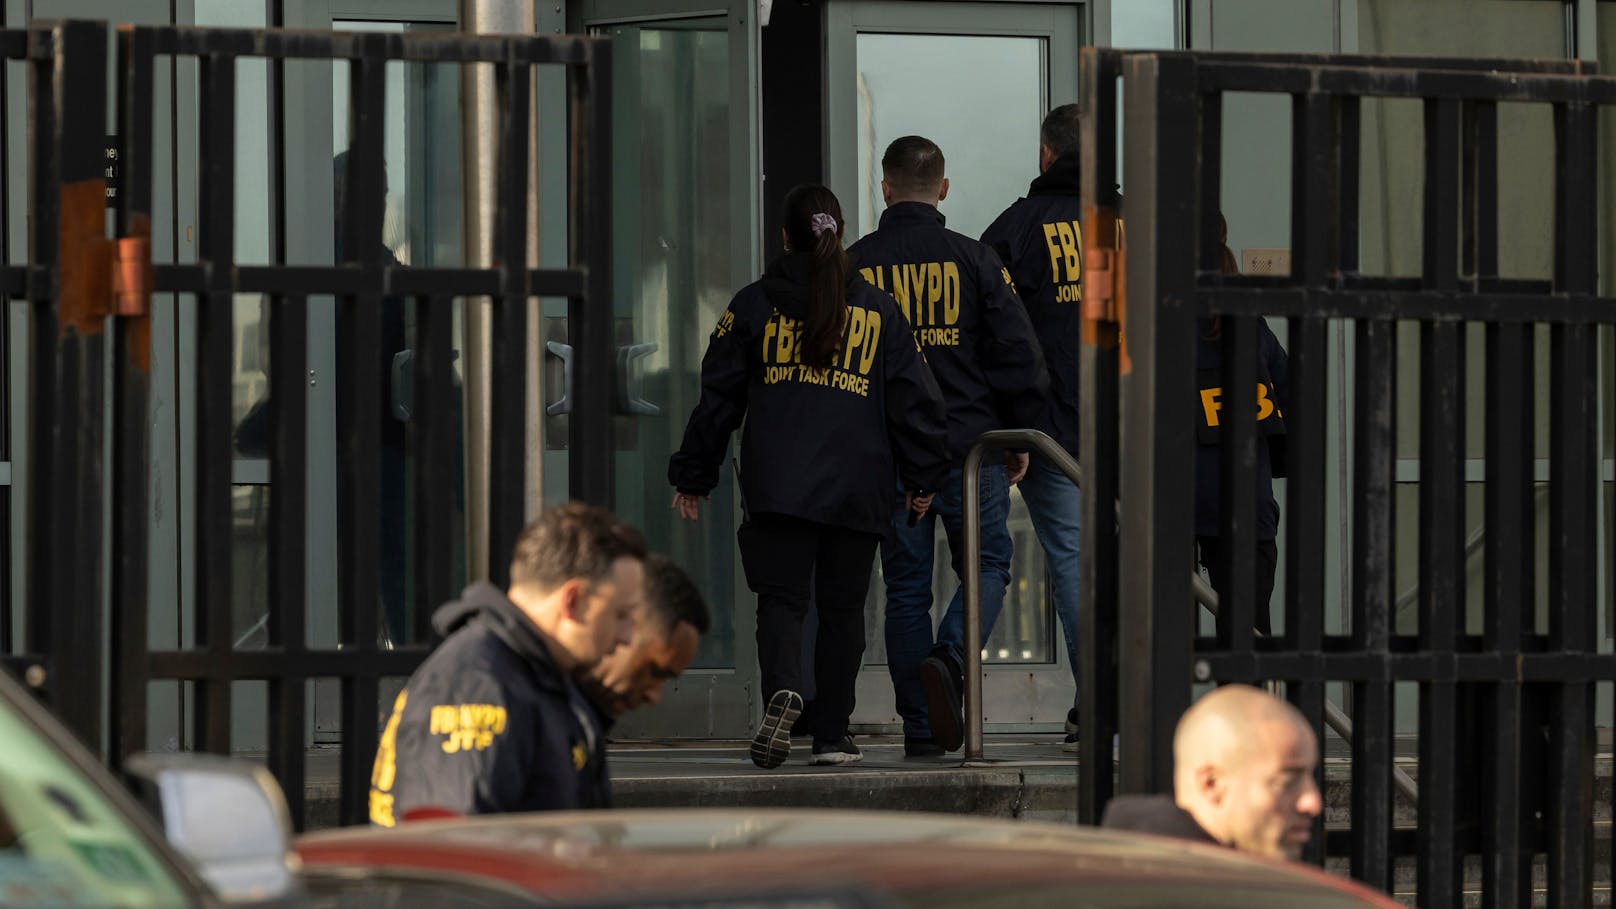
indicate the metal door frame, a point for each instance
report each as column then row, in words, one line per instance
column 703, row 702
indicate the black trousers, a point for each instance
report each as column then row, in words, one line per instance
column 792, row 565
column 1267, row 563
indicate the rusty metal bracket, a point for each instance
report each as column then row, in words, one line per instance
column 132, row 277
column 1099, row 284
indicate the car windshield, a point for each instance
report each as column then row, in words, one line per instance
column 62, row 843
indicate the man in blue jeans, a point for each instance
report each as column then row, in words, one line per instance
column 1040, row 238
column 976, row 337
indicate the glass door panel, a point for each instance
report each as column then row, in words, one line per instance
column 684, row 225
column 977, row 79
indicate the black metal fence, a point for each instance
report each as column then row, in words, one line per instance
column 1506, row 731
column 88, row 291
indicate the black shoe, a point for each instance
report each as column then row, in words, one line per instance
column 772, row 744
column 922, row 748
column 1070, row 743
column 942, row 703
column 842, row 752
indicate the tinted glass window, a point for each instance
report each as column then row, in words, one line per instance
column 61, row 842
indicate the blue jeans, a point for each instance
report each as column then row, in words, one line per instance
column 906, row 565
column 1056, row 509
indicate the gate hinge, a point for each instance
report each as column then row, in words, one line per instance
column 1099, row 284
column 132, row 277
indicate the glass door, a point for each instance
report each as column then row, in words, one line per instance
column 976, row 78
column 685, row 209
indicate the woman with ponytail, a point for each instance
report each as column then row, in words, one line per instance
column 838, row 406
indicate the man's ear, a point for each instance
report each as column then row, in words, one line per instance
column 943, row 193
column 1209, row 784
column 574, row 600
column 886, row 191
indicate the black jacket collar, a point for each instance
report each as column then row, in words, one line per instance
column 907, row 214
column 1064, row 178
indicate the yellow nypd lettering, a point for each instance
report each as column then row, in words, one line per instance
column 385, row 771
column 850, row 367
column 580, row 757
column 467, row 727
column 726, row 322
column 929, row 295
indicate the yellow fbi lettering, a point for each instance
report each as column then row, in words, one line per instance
column 385, row 771
column 1211, row 404
column 1065, row 242
column 850, row 370
column 467, row 727
column 929, row 295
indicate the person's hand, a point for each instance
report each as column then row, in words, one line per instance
column 917, row 504
column 1015, row 465
column 689, row 506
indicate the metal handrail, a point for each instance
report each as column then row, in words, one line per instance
column 971, row 505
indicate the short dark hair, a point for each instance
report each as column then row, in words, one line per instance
column 913, row 164
column 573, row 541
column 672, row 596
column 1062, row 131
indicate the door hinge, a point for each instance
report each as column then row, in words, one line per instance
column 132, row 277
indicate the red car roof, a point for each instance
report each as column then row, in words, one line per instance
column 924, row 856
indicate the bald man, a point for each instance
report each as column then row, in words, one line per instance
column 1243, row 764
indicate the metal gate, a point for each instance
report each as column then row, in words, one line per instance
column 88, row 291
column 1506, row 716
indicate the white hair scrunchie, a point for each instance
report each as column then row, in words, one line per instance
column 822, row 222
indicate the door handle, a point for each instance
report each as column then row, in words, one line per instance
column 628, row 386
column 564, row 352
column 628, row 397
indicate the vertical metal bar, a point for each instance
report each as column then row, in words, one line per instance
column 1441, row 511
column 971, row 499
column 479, row 153
column 1315, row 176
column 1573, row 455
column 1441, row 246
column 1320, row 158
column 1306, row 412
column 1442, row 563
column 508, row 448
column 1508, row 588
column 359, row 436
column 1098, row 387
column 66, row 493
column 589, row 318
column 1210, row 258
column 433, row 441
column 131, row 391
column 1159, row 385
column 288, row 564
column 1237, row 466
column 1480, row 136
column 44, row 218
column 1372, row 604
column 215, row 340
column 1348, row 121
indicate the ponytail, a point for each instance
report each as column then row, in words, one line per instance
column 813, row 223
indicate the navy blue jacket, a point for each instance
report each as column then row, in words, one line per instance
column 488, row 723
column 1273, row 374
column 822, row 445
column 967, row 318
column 1040, row 238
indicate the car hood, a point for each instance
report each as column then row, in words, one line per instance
column 952, row 859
